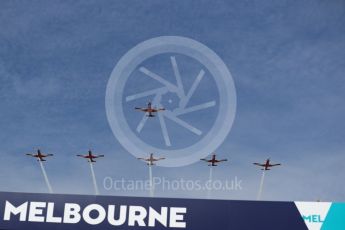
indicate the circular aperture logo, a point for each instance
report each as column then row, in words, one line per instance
column 171, row 96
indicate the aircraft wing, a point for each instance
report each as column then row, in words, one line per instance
column 142, row 109
column 49, row 155
column 274, row 165
column 144, row 159
column 99, row 156
column 30, row 154
column 258, row 164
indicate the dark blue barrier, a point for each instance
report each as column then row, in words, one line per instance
column 35, row 211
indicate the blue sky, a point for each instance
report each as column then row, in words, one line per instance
column 288, row 64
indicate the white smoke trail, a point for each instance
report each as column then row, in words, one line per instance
column 151, row 182
column 94, row 179
column 210, row 183
column 46, row 177
column 261, row 185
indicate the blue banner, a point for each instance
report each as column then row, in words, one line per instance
column 45, row 211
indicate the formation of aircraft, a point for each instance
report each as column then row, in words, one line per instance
column 213, row 161
column 267, row 165
column 150, row 110
column 151, row 160
column 90, row 157
column 39, row 155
